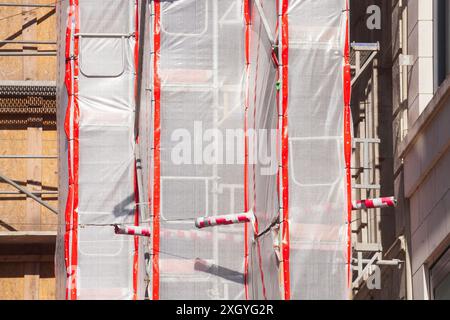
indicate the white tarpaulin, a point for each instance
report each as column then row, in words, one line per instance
column 234, row 106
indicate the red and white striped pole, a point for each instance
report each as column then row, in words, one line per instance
column 132, row 230
column 205, row 222
column 388, row 202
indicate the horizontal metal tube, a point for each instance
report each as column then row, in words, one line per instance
column 30, row 5
column 7, row 156
column 26, row 54
column 33, row 192
column 104, row 35
column 27, row 42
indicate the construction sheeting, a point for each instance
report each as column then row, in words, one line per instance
column 263, row 142
column 241, row 110
column 199, row 52
column 100, row 263
column 317, row 170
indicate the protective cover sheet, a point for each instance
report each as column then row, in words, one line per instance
column 263, row 162
column 241, row 109
column 317, row 165
column 198, row 118
column 99, row 148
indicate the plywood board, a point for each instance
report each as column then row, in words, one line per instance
column 11, row 281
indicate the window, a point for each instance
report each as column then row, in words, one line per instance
column 441, row 41
column 440, row 277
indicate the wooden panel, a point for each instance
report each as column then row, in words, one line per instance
column 13, row 207
column 31, row 280
column 47, row 283
column 27, row 273
column 27, row 280
column 26, row 258
column 49, row 219
column 34, row 173
column 11, row 281
column 46, row 32
column 11, row 29
column 28, row 24
column 29, row 32
column 28, row 237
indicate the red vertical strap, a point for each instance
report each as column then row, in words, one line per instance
column 71, row 127
column 348, row 140
column 136, row 238
column 76, row 118
column 246, row 204
column 136, row 187
column 67, row 129
column 156, row 148
column 285, row 148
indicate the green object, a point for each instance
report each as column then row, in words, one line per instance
column 278, row 85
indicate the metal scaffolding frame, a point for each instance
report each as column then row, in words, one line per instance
column 368, row 253
column 21, row 89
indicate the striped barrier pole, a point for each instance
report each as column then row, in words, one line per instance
column 132, row 230
column 205, row 222
column 387, row 202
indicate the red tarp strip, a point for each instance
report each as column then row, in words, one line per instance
column 348, row 141
column 246, row 205
column 156, row 150
column 71, row 126
column 285, row 148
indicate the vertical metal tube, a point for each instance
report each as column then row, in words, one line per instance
column 215, row 187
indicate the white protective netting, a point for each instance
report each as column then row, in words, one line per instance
column 317, row 185
column 208, row 99
column 263, row 167
column 201, row 68
column 105, row 95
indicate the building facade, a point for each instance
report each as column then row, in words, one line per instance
column 401, row 116
column 411, row 101
column 28, row 149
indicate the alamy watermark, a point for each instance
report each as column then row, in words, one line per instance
column 374, row 20
column 202, row 146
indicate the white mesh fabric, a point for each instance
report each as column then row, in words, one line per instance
column 263, row 117
column 106, row 148
column 204, row 86
column 201, row 67
column 317, row 187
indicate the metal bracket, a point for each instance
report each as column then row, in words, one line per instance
column 368, row 270
column 365, row 53
column 366, row 142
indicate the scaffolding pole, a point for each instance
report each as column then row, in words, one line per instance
column 28, row 193
column 27, row 5
column 27, row 54
column 27, row 157
column 27, row 42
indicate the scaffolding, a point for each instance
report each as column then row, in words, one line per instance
column 241, row 77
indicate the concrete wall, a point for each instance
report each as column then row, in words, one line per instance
column 420, row 46
column 419, row 127
column 427, row 184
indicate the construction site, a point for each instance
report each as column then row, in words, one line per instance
column 224, row 150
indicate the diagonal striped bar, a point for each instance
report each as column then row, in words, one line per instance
column 387, row 202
